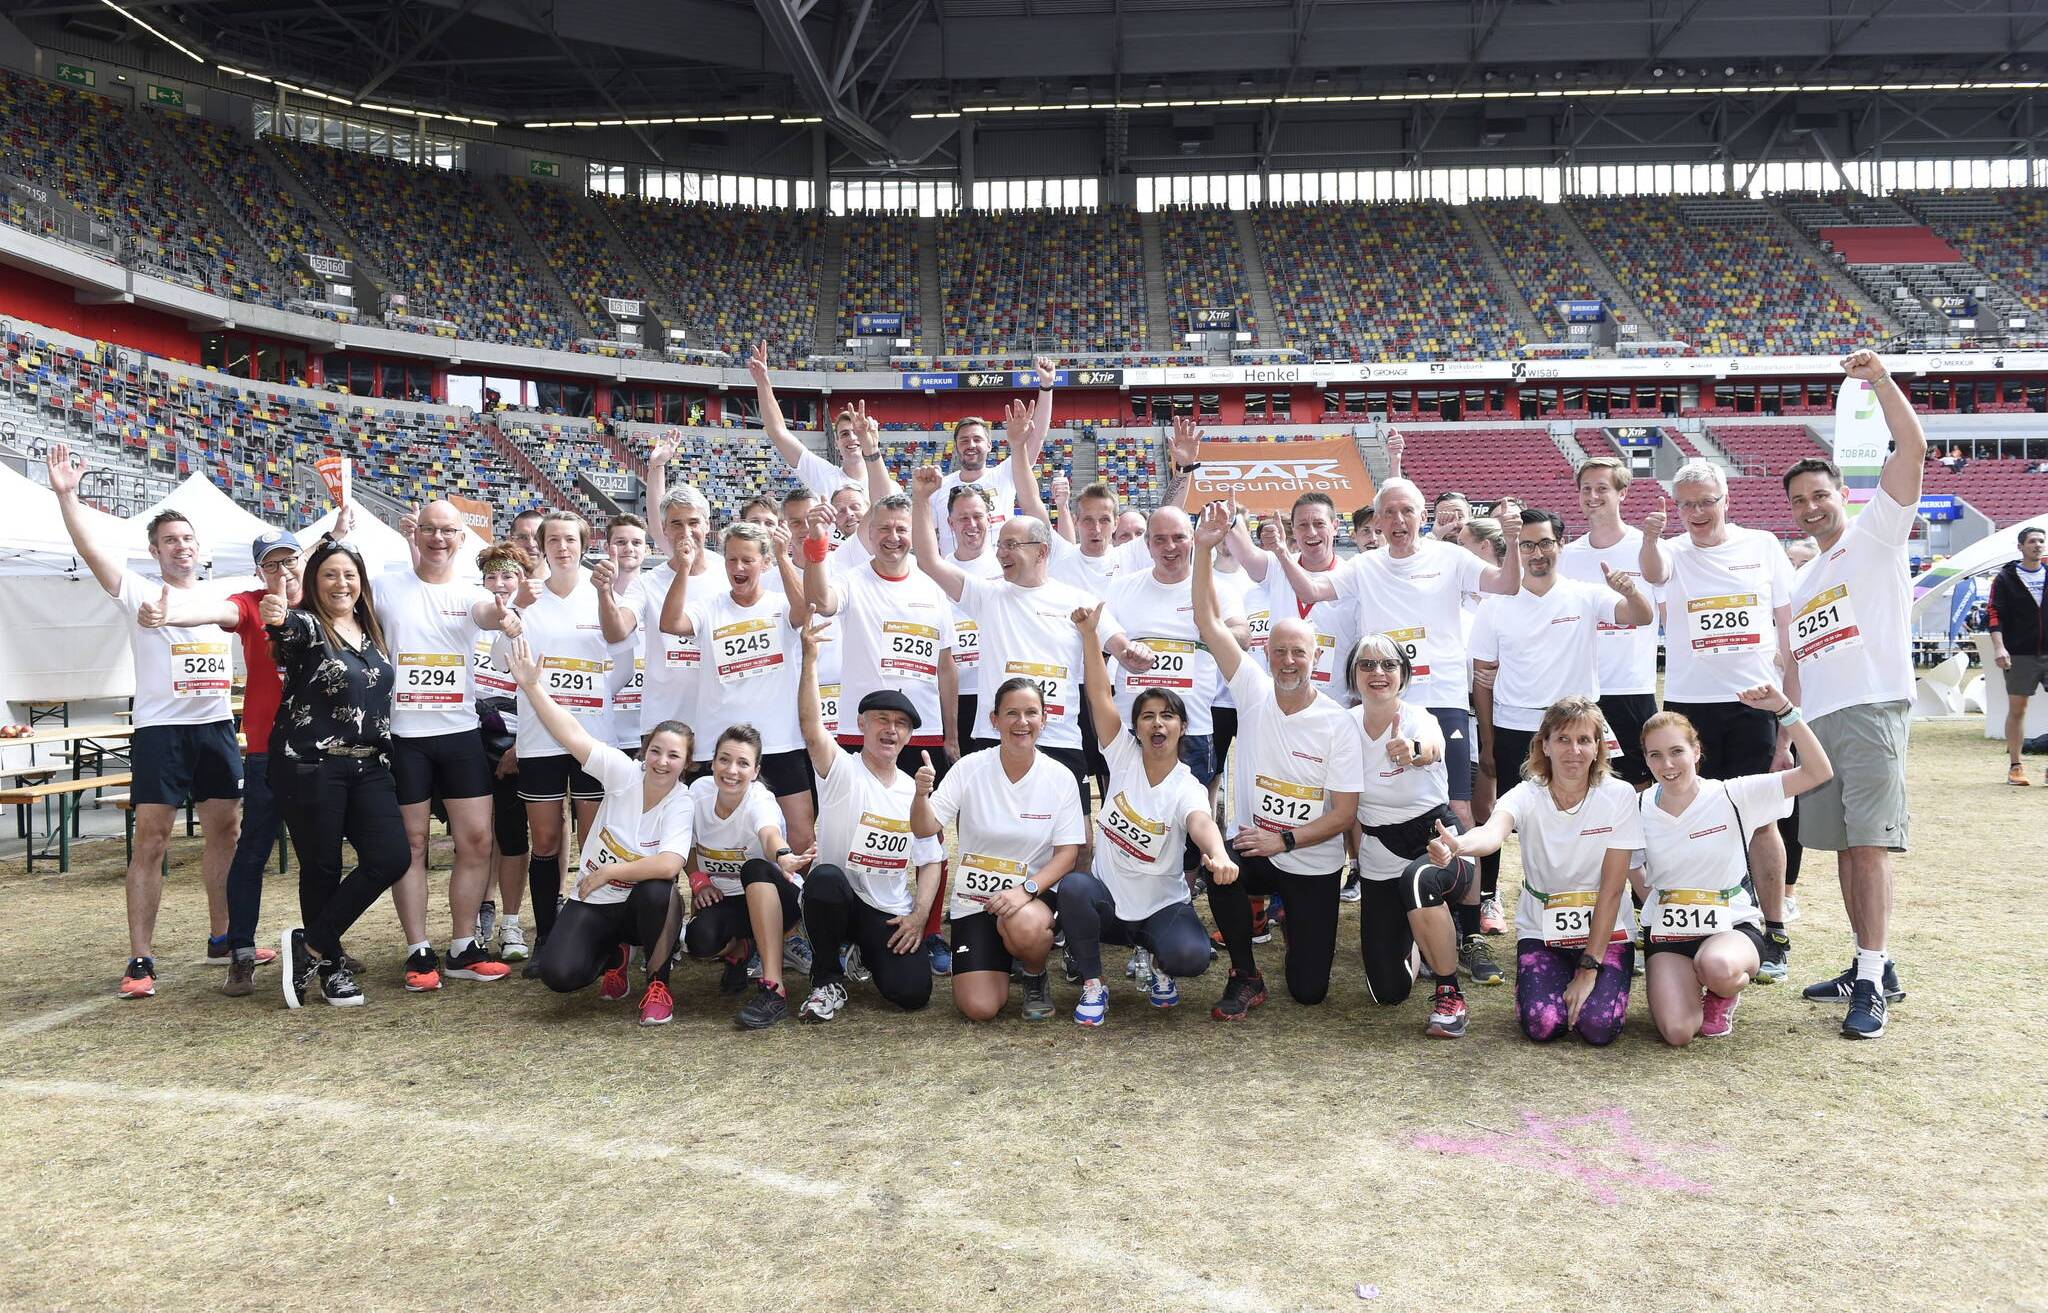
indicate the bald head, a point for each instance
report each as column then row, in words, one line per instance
column 437, row 536
column 1291, row 654
column 1171, row 537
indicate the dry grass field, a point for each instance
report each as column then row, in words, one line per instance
column 498, row 1147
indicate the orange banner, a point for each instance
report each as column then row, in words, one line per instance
column 1269, row 476
column 337, row 472
column 475, row 514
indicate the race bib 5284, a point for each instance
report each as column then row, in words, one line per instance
column 200, row 670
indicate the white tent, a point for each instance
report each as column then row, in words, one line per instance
column 383, row 547
column 226, row 531
column 32, row 535
column 1988, row 553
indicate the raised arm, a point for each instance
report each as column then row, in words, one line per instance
column 1814, row 768
column 1256, row 558
column 1317, row 587
column 792, row 579
column 616, row 621
column 1503, row 578
column 184, row 611
column 675, row 605
column 64, row 479
column 772, row 422
column 564, row 728
column 869, row 433
column 1222, row 644
column 1095, row 675
column 1396, row 444
column 1906, row 468
column 810, row 712
column 659, row 454
column 1634, row 607
column 818, row 592
column 924, row 536
column 1184, row 455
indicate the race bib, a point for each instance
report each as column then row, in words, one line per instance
column 746, row 648
column 200, row 670
column 1141, row 838
column 966, row 642
column 1825, row 625
column 1055, row 684
column 680, row 653
column 1683, row 914
column 486, row 675
column 1326, row 658
column 911, row 649
column 1175, row 665
column 828, row 707
column 1724, row 626
column 1567, row 919
column 1411, row 642
column 610, row 852
column 574, row 683
column 1279, row 805
column 881, row 848
column 983, row 877
column 628, row 696
column 427, row 680
column 1260, row 623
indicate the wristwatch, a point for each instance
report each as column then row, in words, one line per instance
column 1587, row 962
column 1287, row 840
column 1030, row 886
column 785, row 852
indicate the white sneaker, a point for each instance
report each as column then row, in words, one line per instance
column 823, row 1004
column 1791, row 908
column 512, row 942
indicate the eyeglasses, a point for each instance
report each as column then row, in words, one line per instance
column 1703, row 504
column 436, row 531
column 1371, row 666
column 1540, row 545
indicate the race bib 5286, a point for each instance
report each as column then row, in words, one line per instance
column 1724, row 626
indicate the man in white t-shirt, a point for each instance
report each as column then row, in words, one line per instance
column 670, row 664
column 819, row 475
column 1628, row 653
column 184, row 745
column 1852, row 639
column 1312, row 523
column 1541, row 644
column 625, row 550
column 1728, row 622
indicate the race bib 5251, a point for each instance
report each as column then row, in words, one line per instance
column 1825, row 625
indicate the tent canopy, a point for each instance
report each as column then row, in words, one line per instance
column 383, row 547
column 226, row 531
column 1932, row 588
column 33, row 539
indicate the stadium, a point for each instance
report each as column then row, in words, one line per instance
column 260, row 258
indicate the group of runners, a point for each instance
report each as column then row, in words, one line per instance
column 803, row 743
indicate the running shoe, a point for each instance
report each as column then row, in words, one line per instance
column 1038, row 998
column 298, row 968
column 1866, row 1012
column 139, row 980
column 1262, row 924
column 512, row 942
column 1717, row 1015
column 1353, row 890
column 2016, row 775
column 657, row 1005
column 422, row 972
column 767, row 1007
column 1777, row 958
column 338, row 986
column 1446, row 1013
column 1094, row 1005
column 1843, row 987
column 753, row 964
column 475, row 963
column 855, row 969
column 1162, row 992
column 796, row 954
column 1491, row 922
column 733, row 980
column 941, row 956
column 1140, row 968
column 486, row 919
column 824, row 1003
column 1791, row 907
column 531, row 971
column 1240, row 995
column 613, row 984
column 218, row 954
column 1477, row 960
column 1069, row 967
column 241, row 981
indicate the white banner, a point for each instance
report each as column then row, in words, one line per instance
column 1586, row 371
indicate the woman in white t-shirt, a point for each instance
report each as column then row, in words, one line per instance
column 1702, row 930
column 632, row 852
column 1152, row 809
column 1017, row 823
column 1405, row 899
column 744, row 879
column 1580, row 829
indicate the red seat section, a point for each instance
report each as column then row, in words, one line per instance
column 1890, row 245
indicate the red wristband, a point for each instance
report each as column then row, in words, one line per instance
column 697, row 881
column 817, row 549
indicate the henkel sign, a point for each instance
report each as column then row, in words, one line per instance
column 1268, row 476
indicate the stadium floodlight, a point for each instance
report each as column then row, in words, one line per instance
column 162, row 36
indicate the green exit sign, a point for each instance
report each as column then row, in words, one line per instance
column 543, row 169
column 72, row 73
column 166, row 96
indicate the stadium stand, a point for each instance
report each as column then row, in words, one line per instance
column 880, row 271
column 1766, row 449
column 2004, row 233
column 1204, row 265
column 436, row 234
column 253, row 192
column 1023, row 280
column 576, row 251
column 1720, row 275
column 2003, row 489
column 1130, row 461
column 733, row 275
column 1541, row 259
column 1367, row 282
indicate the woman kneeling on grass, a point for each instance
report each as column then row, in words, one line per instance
column 631, row 855
column 1580, row 828
column 1703, row 929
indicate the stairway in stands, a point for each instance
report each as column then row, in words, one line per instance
column 1256, row 282
column 537, row 260
column 825, row 336
column 930, row 306
column 1158, row 315
column 1503, row 281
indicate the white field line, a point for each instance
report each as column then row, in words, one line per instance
column 55, row 1017
column 1171, row 1284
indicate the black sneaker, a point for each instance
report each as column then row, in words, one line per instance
column 338, row 986
column 1842, row 987
column 1070, row 968
column 734, row 979
column 1777, row 958
column 1477, row 959
column 1866, row 1012
column 474, row 963
column 1240, row 995
column 298, row 970
column 766, row 1008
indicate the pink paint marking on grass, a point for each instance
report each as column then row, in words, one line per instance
column 1623, row 1160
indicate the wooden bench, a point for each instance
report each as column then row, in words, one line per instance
column 66, row 795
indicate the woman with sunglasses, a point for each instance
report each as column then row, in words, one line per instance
column 330, row 764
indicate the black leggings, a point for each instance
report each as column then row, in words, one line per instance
column 834, row 915
column 1173, row 935
column 1386, row 940
column 729, row 918
column 324, row 803
column 1311, row 922
column 586, row 938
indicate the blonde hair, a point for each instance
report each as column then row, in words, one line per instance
column 1618, row 468
column 1677, row 720
column 1564, row 712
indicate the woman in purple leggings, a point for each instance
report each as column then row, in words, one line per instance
column 1579, row 829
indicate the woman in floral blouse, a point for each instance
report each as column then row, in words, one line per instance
column 330, row 765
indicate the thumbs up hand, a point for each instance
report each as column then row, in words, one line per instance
column 927, row 774
column 272, row 608
column 1653, row 523
column 1443, row 850
column 155, row 615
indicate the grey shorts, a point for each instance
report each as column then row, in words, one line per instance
column 1864, row 805
column 2026, row 676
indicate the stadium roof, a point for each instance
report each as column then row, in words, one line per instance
column 886, row 76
